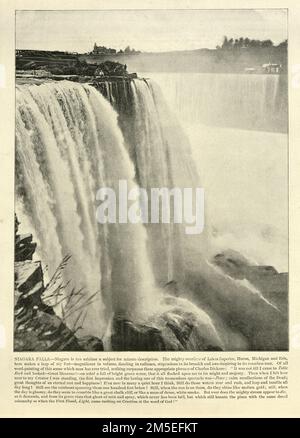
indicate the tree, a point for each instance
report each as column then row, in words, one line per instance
column 254, row 43
column 267, row 43
column 225, row 42
column 283, row 44
column 246, row 42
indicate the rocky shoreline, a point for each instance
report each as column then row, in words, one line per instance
column 38, row 328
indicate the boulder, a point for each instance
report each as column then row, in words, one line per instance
column 29, row 282
column 179, row 326
column 129, row 336
column 24, row 247
column 90, row 343
column 272, row 284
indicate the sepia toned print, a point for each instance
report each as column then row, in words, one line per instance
column 127, row 101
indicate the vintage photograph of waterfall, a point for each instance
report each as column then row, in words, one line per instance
column 151, row 180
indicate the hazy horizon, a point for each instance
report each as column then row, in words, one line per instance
column 145, row 30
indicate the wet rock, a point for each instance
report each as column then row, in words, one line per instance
column 272, row 284
column 29, row 282
column 24, row 247
column 36, row 326
column 128, row 336
column 176, row 328
column 250, row 300
column 90, row 343
column 36, row 330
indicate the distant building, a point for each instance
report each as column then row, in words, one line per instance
column 101, row 50
column 271, row 68
column 250, row 70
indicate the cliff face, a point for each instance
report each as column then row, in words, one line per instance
column 36, row 326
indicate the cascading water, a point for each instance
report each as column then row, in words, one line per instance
column 237, row 125
column 69, row 143
column 160, row 150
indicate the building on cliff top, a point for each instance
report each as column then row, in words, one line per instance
column 101, row 50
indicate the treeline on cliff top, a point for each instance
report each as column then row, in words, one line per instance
column 244, row 43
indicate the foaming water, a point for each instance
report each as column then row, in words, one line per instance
column 162, row 155
column 67, row 141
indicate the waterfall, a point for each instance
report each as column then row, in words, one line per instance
column 72, row 141
column 161, row 153
column 68, row 145
column 232, row 120
column 247, row 101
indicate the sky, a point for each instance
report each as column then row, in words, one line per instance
column 145, row 30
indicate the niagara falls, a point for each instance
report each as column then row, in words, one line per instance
column 96, row 134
